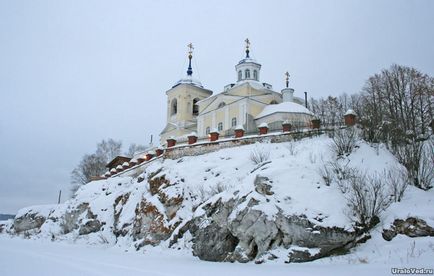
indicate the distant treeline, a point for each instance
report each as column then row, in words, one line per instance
column 6, row 216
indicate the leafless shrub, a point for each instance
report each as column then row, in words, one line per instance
column 202, row 193
column 344, row 140
column 397, row 181
column 341, row 173
column 259, row 155
column 426, row 166
column 219, row 188
column 326, row 173
column 418, row 158
column 367, row 198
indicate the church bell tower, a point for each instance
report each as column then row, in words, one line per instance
column 182, row 107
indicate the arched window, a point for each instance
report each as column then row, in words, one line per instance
column 220, row 126
column 247, row 74
column 240, row 75
column 255, row 74
column 174, row 107
column 195, row 107
column 273, row 102
column 234, row 122
column 221, row 104
column 208, row 130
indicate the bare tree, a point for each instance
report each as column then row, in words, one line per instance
column 134, row 148
column 108, row 149
column 259, row 155
column 344, row 140
column 94, row 164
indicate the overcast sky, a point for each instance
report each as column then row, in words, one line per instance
column 75, row 72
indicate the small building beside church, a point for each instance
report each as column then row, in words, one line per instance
column 247, row 103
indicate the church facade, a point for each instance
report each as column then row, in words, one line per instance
column 245, row 104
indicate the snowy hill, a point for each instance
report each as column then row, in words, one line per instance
column 266, row 202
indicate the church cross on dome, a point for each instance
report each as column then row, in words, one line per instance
column 247, row 47
column 287, row 75
column 190, row 56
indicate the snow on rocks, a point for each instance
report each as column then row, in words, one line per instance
column 221, row 204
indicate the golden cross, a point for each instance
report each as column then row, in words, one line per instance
column 190, row 48
column 247, row 43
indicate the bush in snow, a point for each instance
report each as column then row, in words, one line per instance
column 326, row 173
column 344, row 140
column 397, row 181
column 418, row 158
column 259, row 154
column 426, row 166
column 366, row 197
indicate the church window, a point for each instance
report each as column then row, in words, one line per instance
column 174, row 107
column 247, row 74
column 273, row 102
column 208, row 130
column 220, row 126
column 221, row 104
column 195, row 107
column 240, row 75
column 234, row 122
column 255, row 74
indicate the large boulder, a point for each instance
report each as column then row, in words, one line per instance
column 411, row 227
column 250, row 234
column 31, row 218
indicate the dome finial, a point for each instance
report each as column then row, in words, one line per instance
column 287, row 75
column 190, row 56
column 247, row 47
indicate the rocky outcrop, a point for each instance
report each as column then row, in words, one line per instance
column 149, row 225
column 31, row 220
column 411, row 227
column 251, row 234
column 81, row 218
column 213, row 243
column 120, row 229
column 90, row 226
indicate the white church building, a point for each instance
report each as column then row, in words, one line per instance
column 246, row 104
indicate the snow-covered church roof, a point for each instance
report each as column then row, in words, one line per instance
column 285, row 107
column 189, row 80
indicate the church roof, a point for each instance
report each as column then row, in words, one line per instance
column 189, row 80
column 285, row 107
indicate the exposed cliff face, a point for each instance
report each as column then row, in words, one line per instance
column 220, row 206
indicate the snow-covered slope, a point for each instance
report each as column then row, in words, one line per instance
column 224, row 206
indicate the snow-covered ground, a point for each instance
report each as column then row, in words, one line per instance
column 38, row 257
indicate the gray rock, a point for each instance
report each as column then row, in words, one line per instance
column 263, row 185
column 251, row 234
column 28, row 221
column 214, row 243
column 70, row 220
column 411, row 227
column 90, row 226
column 298, row 256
